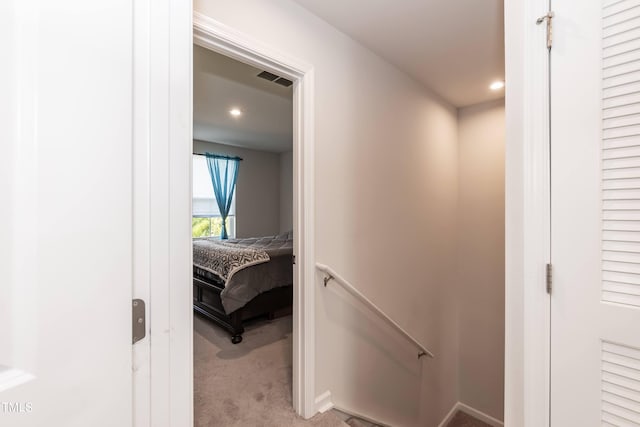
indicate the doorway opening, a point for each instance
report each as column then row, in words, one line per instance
column 242, row 230
column 295, row 77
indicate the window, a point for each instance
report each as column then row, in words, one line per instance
column 206, row 219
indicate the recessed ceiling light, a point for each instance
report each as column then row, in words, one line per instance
column 235, row 112
column 499, row 84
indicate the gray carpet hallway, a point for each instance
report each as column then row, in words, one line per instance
column 249, row 384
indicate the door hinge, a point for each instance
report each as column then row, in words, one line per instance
column 549, row 278
column 293, row 259
column 138, row 321
column 549, row 18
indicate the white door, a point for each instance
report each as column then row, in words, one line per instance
column 66, row 213
column 595, row 250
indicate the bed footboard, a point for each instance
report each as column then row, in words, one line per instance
column 206, row 301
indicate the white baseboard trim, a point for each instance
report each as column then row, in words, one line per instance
column 449, row 415
column 323, row 402
column 459, row 406
column 480, row 415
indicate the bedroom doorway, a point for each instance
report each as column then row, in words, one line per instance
column 248, row 331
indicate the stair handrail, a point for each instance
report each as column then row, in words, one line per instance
column 330, row 274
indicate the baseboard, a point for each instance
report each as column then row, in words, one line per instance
column 459, row 406
column 449, row 415
column 323, row 402
column 361, row 416
column 480, row 415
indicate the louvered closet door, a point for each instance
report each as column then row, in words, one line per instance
column 595, row 251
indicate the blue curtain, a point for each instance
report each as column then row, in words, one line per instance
column 223, row 171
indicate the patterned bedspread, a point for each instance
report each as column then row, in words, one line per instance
column 224, row 259
column 269, row 259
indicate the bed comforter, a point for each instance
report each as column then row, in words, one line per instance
column 246, row 267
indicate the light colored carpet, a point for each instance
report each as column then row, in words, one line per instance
column 247, row 384
column 461, row 419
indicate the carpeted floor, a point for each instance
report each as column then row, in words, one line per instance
column 247, row 384
column 460, row 419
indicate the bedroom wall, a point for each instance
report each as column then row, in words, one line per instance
column 257, row 189
column 286, row 191
column 481, row 256
column 386, row 196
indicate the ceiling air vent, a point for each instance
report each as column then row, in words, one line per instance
column 276, row 79
column 284, row 82
column 267, row 76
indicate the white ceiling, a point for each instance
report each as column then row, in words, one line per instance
column 454, row 47
column 220, row 84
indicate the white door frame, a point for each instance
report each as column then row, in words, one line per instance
column 527, row 311
column 216, row 36
column 163, row 111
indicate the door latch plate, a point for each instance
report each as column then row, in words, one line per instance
column 138, row 321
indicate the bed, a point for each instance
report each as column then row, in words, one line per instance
column 238, row 279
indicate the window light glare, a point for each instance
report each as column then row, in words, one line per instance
column 496, row 85
column 235, row 112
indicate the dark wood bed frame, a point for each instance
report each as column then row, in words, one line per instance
column 206, row 301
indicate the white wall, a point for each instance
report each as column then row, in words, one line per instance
column 286, row 191
column 481, row 139
column 257, row 189
column 386, row 179
column 9, row 136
